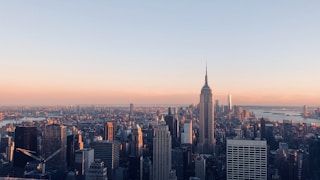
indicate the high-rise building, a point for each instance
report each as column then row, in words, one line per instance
column 135, row 168
column 108, row 152
column 109, row 131
column 173, row 124
column 97, row 171
column 315, row 158
column 200, row 167
column 305, row 111
column 271, row 141
column 25, row 138
column 246, row 114
column 287, row 130
column 186, row 136
column 55, row 139
column 136, row 141
column 263, row 128
column 239, row 112
column 172, row 175
column 161, row 152
column 178, row 162
column 83, row 159
column 246, row 159
column 217, row 106
column 74, row 143
column 4, row 143
column 131, row 110
column 7, row 147
column 10, row 151
column 229, row 103
column 182, row 160
column 206, row 129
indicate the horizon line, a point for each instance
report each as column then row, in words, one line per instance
column 144, row 105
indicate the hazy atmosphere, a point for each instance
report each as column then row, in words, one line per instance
column 118, row 52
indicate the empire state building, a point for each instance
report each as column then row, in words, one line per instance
column 206, row 129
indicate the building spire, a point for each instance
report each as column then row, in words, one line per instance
column 206, row 78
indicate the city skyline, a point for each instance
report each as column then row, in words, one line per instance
column 155, row 53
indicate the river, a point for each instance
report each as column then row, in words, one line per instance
column 25, row 119
column 282, row 113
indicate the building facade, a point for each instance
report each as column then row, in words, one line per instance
column 161, row 152
column 136, row 141
column 25, row 138
column 108, row 152
column 55, row 138
column 173, row 124
column 109, row 131
column 200, row 167
column 97, row 171
column 246, row 159
column 83, row 159
column 186, row 136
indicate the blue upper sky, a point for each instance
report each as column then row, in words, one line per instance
column 266, row 47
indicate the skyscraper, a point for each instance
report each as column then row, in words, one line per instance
column 229, row 103
column 246, row 159
column 186, row 136
column 217, row 107
column 108, row 152
column 137, row 142
column 109, row 131
column 74, row 143
column 173, row 125
column 206, row 129
column 200, row 168
column 97, row 170
column 161, row 152
column 305, row 111
column 263, row 128
column 25, row 138
column 55, row 137
column 131, row 110
column 7, row 147
column 83, row 159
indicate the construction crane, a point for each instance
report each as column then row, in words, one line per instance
column 40, row 158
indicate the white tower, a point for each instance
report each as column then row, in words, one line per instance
column 230, row 102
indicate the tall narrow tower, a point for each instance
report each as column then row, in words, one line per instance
column 229, row 103
column 206, row 139
column 305, row 111
column 161, row 152
column 131, row 110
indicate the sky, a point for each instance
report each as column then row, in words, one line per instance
column 155, row 52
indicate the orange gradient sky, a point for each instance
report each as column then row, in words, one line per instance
column 78, row 52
